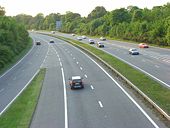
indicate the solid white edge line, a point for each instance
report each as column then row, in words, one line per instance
column 139, row 69
column 146, row 115
column 65, row 100
column 19, row 93
column 17, row 62
column 100, row 103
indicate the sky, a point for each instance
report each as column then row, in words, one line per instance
column 83, row 7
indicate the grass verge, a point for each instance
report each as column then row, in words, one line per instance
column 19, row 114
column 154, row 90
column 16, row 58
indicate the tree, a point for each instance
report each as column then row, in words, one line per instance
column 119, row 16
column 2, row 11
column 98, row 12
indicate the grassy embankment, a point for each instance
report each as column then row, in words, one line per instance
column 154, row 90
column 19, row 114
column 16, row 58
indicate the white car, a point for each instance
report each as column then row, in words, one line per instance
column 73, row 34
column 79, row 38
column 100, row 45
column 102, row 38
column 84, row 37
column 133, row 51
column 91, row 41
column 53, row 32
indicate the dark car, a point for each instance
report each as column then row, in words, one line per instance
column 51, row 41
column 76, row 82
column 38, row 43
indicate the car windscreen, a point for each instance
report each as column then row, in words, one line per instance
column 77, row 81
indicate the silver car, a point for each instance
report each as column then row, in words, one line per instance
column 133, row 51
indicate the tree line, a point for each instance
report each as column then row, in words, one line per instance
column 14, row 38
column 132, row 23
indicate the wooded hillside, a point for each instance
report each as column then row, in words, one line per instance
column 132, row 23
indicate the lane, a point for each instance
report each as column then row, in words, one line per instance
column 101, row 104
column 12, row 82
column 155, row 62
column 91, row 107
column 50, row 108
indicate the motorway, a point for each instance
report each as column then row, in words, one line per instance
column 153, row 61
column 103, row 103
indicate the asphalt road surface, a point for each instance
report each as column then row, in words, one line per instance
column 103, row 103
column 153, row 61
column 14, row 80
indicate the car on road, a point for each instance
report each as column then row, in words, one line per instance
column 53, row 32
column 102, row 38
column 83, row 37
column 133, row 51
column 38, row 43
column 143, row 45
column 79, row 38
column 51, row 41
column 91, row 41
column 100, row 45
column 73, row 34
column 76, row 82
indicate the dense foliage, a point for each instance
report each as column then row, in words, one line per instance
column 131, row 23
column 13, row 39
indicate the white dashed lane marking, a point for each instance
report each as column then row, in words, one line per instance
column 60, row 64
column 156, row 66
column 1, row 90
column 85, row 75
column 92, row 87
column 100, row 103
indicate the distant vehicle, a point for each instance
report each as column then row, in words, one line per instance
column 73, row 34
column 38, row 43
column 102, row 38
column 51, row 41
column 91, row 41
column 53, row 32
column 79, row 38
column 133, row 51
column 100, row 45
column 76, row 82
column 143, row 45
column 84, row 37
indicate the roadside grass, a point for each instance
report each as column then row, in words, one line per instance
column 154, row 90
column 20, row 113
column 16, row 58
